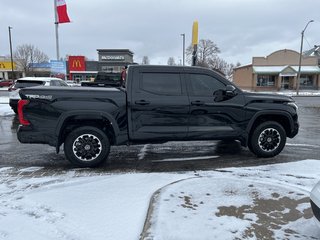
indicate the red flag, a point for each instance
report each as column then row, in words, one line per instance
column 62, row 13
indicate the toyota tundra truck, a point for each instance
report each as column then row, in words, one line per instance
column 158, row 104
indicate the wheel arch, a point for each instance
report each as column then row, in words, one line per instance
column 70, row 120
column 281, row 117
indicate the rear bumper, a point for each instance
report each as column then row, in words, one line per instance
column 27, row 134
column 14, row 103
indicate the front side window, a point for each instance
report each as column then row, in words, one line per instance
column 204, row 85
column 161, row 83
column 63, row 84
column 266, row 80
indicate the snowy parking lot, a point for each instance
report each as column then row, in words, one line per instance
column 264, row 202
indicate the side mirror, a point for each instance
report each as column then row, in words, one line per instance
column 230, row 91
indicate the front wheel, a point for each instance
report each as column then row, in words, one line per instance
column 268, row 139
column 87, row 147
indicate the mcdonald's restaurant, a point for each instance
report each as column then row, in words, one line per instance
column 279, row 71
column 109, row 60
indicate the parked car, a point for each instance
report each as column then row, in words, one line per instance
column 315, row 201
column 5, row 83
column 159, row 104
column 30, row 82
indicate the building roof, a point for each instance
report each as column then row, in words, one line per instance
column 280, row 69
column 115, row 51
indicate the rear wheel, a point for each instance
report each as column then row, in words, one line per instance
column 87, row 147
column 268, row 139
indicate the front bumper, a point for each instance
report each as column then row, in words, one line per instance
column 315, row 201
column 295, row 130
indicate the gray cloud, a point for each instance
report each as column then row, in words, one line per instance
column 241, row 28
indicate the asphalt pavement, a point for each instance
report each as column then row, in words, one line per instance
column 171, row 156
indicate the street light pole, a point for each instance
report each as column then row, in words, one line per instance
column 184, row 46
column 9, row 28
column 301, row 46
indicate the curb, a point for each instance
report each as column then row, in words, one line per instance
column 145, row 234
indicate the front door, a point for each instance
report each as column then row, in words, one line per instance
column 211, row 118
column 285, row 82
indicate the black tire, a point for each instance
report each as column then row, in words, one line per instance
column 268, row 139
column 87, row 147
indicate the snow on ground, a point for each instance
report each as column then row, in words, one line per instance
column 264, row 202
column 5, row 109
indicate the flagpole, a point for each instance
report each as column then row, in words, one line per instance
column 56, row 25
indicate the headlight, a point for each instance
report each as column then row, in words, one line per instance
column 293, row 104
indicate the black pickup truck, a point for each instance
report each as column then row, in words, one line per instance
column 104, row 79
column 159, row 104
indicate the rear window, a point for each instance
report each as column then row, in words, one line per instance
column 24, row 84
column 108, row 77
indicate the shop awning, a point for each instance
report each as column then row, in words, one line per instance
column 280, row 70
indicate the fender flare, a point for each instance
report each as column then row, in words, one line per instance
column 87, row 114
column 270, row 112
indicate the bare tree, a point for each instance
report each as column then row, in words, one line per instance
column 27, row 54
column 171, row 61
column 223, row 67
column 145, row 60
column 206, row 52
column 207, row 56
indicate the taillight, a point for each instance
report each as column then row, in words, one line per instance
column 21, row 104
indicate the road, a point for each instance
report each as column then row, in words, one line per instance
column 171, row 156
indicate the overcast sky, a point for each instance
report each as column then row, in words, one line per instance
column 241, row 28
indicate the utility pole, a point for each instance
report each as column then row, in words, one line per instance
column 301, row 46
column 57, row 26
column 9, row 28
column 183, row 47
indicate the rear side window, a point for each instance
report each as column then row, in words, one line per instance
column 24, row 84
column 161, row 83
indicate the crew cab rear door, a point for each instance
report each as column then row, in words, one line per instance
column 159, row 105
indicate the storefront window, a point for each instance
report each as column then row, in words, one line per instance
column 306, row 80
column 266, row 80
column 90, row 77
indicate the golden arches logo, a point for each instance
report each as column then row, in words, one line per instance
column 76, row 63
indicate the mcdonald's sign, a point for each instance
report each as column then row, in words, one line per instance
column 77, row 63
column 7, row 65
